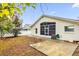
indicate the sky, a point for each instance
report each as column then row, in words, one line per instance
column 66, row 10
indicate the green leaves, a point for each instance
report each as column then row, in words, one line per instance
column 18, row 9
column 33, row 6
column 7, row 10
column 24, row 8
column 27, row 4
column 12, row 4
column 4, row 5
column 6, row 25
column 3, row 9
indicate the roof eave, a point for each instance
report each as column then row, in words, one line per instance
column 63, row 19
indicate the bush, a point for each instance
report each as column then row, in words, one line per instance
column 57, row 36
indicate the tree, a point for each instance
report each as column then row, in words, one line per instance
column 10, row 8
column 7, row 10
column 5, row 25
column 17, row 24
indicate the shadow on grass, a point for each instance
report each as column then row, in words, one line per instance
column 7, row 38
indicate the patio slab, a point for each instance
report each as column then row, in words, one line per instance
column 55, row 48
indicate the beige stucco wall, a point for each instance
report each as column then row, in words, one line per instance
column 59, row 29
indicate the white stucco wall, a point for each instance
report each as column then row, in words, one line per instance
column 59, row 29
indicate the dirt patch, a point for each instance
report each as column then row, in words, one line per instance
column 19, row 46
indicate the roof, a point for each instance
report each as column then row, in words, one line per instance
column 57, row 18
column 77, row 20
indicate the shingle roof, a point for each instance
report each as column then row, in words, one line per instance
column 57, row 18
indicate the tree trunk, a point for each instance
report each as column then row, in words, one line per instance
column 1, row 34
column 15, row 34
column 15, row 31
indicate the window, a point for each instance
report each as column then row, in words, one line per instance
column 69, row 28
column 36, row 30
column 47, row 28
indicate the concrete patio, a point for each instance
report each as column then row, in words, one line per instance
column 55, row 48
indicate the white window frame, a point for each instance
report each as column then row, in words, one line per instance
column 69, row 27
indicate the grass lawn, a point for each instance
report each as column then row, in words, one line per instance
column 19, row 46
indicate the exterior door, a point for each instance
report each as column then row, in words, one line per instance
column 52, row 29
column 47, row 28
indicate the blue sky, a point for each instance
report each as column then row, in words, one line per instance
column 67, row 10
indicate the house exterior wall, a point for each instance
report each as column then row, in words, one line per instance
column 59, row 29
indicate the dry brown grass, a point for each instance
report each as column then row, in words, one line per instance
column 19, row 46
